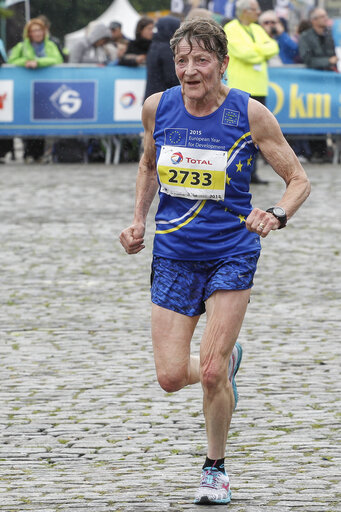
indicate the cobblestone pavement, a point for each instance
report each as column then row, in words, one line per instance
column 84, row 426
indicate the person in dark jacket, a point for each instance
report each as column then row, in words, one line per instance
column 137, row 50
column 317, row 51
column 316, row 45
column 160, row 62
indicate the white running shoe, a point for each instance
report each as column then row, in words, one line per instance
column 214, row 488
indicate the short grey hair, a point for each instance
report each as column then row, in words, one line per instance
column 242, row 5
column 314, row 13
column 265, row 14
column 209, row 35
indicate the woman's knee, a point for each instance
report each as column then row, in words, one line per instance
column 213, row 377
column 171, row 381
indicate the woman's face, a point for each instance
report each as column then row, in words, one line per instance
column 36, row 33
column 147, row 31
column 198, row 70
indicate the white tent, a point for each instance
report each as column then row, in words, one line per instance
column 119, row 10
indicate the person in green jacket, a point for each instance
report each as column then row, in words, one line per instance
column 250, row 47
column 34, row 52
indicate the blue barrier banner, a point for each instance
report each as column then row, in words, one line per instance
column 76, row 101
column 305, row 101
column 71, row 101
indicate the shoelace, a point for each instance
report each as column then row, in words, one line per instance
column 210, row 478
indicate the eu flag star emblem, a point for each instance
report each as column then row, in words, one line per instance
column 176, row 136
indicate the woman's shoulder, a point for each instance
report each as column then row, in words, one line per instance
column 18, row 45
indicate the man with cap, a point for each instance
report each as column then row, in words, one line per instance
column 116, row 32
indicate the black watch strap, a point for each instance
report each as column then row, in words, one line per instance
column 279, row 213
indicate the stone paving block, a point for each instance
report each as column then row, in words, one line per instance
column 83, row 423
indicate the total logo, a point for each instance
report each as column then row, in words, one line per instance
column 198, row 161
column 177, row 158
column 127, row 99
column 66, row 100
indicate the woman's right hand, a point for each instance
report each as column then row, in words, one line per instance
column 132, row 238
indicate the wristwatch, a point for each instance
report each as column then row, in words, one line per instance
column 279, row 213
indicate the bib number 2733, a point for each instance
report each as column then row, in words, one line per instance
column 192, row 173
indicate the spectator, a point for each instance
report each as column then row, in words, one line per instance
column 56, row 41
column 116, row 33
column 316, row 44
column 160, row 61
column 93, row 48
column 138, row 48
column 35, row 51
column 288, row 48
column 199, row 12
column 303, row 26
column 121, row 49
column 317, row 51
column 250, row 47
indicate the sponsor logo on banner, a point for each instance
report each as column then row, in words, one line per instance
column 128, row 99
column 6, row 101
column 67, row 100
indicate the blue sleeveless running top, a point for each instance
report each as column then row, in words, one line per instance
column 200, row 228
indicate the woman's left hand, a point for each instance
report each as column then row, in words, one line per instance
column 261, row 222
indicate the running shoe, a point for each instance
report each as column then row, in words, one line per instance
column 214, row 488
column 234, row 363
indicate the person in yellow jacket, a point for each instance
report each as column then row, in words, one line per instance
column 249, row 47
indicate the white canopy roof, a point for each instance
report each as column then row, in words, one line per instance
column 119, row 10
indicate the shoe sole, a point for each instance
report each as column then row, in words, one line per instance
column 234, row 385
column 205, row 500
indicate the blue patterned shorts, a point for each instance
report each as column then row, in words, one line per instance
column 184, row 286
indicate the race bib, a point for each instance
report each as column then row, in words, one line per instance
column 192, row 173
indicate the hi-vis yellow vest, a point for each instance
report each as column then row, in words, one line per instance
column 249, row 48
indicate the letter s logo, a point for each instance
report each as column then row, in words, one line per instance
column 69, row 102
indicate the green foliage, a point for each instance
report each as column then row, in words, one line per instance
column 69, row 15
column 143, row 6
column 5, row 13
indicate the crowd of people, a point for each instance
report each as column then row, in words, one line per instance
column 256, row 40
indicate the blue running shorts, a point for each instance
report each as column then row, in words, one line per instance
column 184, row 286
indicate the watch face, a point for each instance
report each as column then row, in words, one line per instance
column 278, row 211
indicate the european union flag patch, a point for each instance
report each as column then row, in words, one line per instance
column 231, row 117
column 176, row 136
